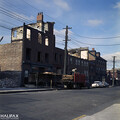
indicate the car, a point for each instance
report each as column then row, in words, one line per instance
column 105, row 84
column 97, row 84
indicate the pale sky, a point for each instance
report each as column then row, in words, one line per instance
column 88, row 19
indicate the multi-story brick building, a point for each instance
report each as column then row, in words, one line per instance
column 97, row 65
column 32, row 51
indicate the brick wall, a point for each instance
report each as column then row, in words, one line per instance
column 11, row 57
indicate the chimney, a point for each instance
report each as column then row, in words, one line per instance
column 93, row 49
column 40, row 17
column 98, row 54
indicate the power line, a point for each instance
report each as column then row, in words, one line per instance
column 13, row 14
column 5, row 27
column 96, row 44
column 44, row 12
column 7, row 22
column 97, row 37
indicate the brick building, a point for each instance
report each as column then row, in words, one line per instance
column 97, row 65
column 116, row 76
column 32, row 52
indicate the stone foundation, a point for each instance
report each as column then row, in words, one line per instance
column 10, row 79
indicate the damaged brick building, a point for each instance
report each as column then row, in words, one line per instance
column 32, row 49
column 32, row 52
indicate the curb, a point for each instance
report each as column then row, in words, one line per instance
column 20, row 91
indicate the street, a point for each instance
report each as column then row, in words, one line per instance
column 59, row 104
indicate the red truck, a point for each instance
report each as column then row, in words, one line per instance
column 76, row 80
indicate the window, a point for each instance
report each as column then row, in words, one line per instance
column 82, row 62
column 46, row 41
column 76, row 61
column 56, row 60
column 39, row 57
column 26, row 73
column 47, row 58
column 60, row 58
column 28, row 34
column 71, row 60
column 28, row 53
column 15, row 33
column 39, row 38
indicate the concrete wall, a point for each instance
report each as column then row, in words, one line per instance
column 10, row 57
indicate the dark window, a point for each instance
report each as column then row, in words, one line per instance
column 60, row 58
column 28, row 53
column 39, row 56
column 55, row 57
column 47, row 58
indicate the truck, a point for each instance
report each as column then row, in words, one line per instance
column 76, row 80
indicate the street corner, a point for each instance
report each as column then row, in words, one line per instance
column 110, row 113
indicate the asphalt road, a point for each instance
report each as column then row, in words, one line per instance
column 58, row 105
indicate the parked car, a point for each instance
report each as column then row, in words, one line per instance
column 105, row 84
column 97, row 84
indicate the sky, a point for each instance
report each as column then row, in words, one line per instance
column 95, row 23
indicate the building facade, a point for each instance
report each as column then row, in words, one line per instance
column 32, row 52
column 97, row 65
column 116, row 76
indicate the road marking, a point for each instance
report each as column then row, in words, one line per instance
column 79, row 117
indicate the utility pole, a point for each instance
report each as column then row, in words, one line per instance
column 65, row 53
column 1, row 38
column 113, row 80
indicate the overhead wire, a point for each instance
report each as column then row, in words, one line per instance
column 94, row 44
column 111, row 37
column 20, row 18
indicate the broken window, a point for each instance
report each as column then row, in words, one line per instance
column 39, row 56
column 28, row 53
column 28, row 34
column 15, row 33
column 39, row 38
column 47, row 58
column 46, row 41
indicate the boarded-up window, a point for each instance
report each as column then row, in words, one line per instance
column 46, row 41
column 28, row 34
column 39, row 38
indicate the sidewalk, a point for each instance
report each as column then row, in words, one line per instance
column 110, row 113
column 23, row 89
